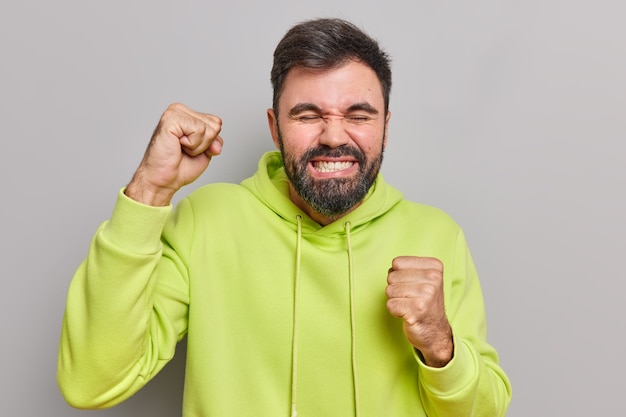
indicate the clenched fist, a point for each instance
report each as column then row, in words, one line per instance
column 415, row 294
column 181, row 148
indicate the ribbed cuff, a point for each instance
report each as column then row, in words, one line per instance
column 136, row 226
column 453, row 377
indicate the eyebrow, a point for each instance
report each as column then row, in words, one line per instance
column 304, row 107
column 363, row 106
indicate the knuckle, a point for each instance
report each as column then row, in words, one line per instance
column 411, row 319
column 168, row 115
column 390, row 291
column 399, row 261
column 213, row 130
column 217, row 120
column 419, row 305
column 434, row 276
column 435, row 263
column 218, row 127
column 176, row 107
column 428, row 290
column 394, row 291
column 391, row 306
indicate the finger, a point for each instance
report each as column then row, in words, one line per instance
column 216, row 147
column 186, row 122
column 421, row 295
column 213, row 121
column 406, row 309
column 419, row 275
column 402, row 275
column 416, row 262
column 199, row 137
column 410, row 289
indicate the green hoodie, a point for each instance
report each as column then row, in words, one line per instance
column 282, row 315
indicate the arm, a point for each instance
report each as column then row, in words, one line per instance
column 114, row 336
column 127, row 303
column 459, row 371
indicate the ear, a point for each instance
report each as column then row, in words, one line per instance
column 387, row 117
column 272, row 121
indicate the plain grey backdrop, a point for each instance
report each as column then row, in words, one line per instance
column 510, row 116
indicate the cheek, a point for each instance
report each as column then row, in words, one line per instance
column 298, row 137
column 369, row 142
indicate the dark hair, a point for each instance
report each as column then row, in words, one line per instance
column 326, row 44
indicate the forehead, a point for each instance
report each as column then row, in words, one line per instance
column 332, row 89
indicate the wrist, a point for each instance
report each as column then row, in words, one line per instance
column 149, row 195
column 440, row 351
column 440, row 357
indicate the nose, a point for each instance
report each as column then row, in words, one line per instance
column 334, row 133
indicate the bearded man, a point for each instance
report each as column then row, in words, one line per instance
column 312, row 288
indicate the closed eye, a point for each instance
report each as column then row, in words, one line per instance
column 314, row 118
column 308, row 118
column 358, row 118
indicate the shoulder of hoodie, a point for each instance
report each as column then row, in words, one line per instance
column 424, row 215
column 219, row 195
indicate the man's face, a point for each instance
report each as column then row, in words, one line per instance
column 331, row 129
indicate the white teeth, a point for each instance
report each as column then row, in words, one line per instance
column 324, row 166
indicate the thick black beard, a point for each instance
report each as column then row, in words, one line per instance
column 331, row 197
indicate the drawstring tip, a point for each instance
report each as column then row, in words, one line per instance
column 294, row 412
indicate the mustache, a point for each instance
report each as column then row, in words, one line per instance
column 325, row 151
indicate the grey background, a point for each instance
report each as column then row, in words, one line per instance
column 508, row 115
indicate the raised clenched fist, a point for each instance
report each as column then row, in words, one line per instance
column 181, row 148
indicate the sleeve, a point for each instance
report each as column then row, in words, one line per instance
column 126, row 307
column 472, row 384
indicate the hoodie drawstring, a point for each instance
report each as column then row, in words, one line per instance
column 294, row 340
column 355, row 379
column 294, row 346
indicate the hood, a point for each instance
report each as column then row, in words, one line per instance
column 270, row 185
